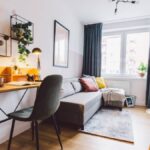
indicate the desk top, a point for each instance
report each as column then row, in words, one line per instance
column 9, row 88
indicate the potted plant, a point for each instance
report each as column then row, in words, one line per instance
column 142, row 69
column 23, row 34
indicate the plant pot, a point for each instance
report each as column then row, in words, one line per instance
column 141, row 74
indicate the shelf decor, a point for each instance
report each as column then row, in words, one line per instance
column 16, row 73
column 22, row 31
column 5, row 45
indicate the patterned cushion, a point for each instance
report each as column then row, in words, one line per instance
column 77, row 86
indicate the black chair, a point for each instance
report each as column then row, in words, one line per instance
column 45, row 106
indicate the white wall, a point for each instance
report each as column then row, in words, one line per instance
column 132, row 86
column 129, row 24
column 42, row 14
column 93, row 11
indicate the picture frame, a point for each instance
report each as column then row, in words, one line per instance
column 60, row 45
column 5, row 45
column 130, row 101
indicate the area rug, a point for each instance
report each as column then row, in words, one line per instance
column 112, row 124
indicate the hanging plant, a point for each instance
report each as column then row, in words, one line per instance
column 23, row 34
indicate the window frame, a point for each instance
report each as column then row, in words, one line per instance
column 123, row 34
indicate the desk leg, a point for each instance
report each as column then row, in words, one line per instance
column 33, row 123
column 5, row 120
column 1, row 121
column 33, row 130
column 21, row 99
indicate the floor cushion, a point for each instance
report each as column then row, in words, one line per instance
column 113, row 97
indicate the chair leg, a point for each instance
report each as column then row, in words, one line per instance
column 57, row 131
column 58, row 127
column 37, row 135
column 11, row 134
column 33, row 129
column 82, row 127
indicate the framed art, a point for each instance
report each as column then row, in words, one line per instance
column 5, row 45
column 61, row 45
column 130, row 100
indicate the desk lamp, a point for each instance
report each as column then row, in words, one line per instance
column 37, row 51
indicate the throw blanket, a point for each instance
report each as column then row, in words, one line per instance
column 113, row 94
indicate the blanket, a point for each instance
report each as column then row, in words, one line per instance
column 113, row 94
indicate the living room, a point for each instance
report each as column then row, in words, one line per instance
column 103, row 60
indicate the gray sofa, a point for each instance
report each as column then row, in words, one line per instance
column 76, row 106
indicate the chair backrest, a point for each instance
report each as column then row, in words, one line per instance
column 47, row 99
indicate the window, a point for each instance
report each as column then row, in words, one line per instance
column 123, row 52
column 111, row 47
column 137, row 51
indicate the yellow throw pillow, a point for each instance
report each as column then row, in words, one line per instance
column 101, row 82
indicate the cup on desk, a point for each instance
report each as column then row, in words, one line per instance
column 1, row 81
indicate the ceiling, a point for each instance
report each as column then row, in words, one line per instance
column 92, row 11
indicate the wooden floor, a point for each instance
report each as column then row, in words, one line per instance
column 73, row 140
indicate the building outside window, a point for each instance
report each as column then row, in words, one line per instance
column 122, row 52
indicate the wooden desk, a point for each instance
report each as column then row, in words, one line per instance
column 10, row 88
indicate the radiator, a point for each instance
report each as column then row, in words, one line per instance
column 120, row 84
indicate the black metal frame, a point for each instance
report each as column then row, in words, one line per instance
column 55, row 24
column 21, row 20
column 35, row 132
column 1, row 121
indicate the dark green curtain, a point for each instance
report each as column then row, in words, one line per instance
column 92, row 49
column 148, row 84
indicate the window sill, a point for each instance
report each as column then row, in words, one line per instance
column 112, row 77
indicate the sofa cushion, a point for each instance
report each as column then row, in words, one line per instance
column 92, row 77
column 84, row 99
column 80, row 107
column 77, row 86
column 89, row 84
column 101, row 82
column 66, row 90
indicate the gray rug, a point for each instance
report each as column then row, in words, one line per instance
column 113, row 124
